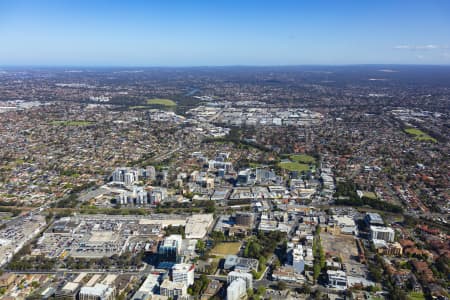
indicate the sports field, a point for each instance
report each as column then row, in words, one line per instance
column 160, row 101
column 302, row 158
column 419, row 135
column 224, row 249
column 293, row 166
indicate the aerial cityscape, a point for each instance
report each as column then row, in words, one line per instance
column 222, row 180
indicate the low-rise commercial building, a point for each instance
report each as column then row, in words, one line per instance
column 337, row 279
column 97, row 292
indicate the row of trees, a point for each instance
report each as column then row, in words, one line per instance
column 169, row 230
column 34, row 263
column 235, row 137
column 199, row 286
column 195, row 206
column 258, row 294
column 346, row 195
column 319, row 255
column 125, row 260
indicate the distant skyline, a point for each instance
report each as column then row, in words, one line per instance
column 220, row 33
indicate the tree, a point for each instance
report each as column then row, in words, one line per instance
column 121, row 297
column 250, row 293
column 376, row 272
column 200, row 246
column 322, row 256
column 253, row 249
column 199, row 285
column 276, row 263
column 217, row 236
column 281, row 285
column 262, row 263
column 316, row 271
column 261, row 290
column 305, row 289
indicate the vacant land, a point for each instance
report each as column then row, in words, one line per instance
column 224, row 249
column 419, row 135
column 344, row 246
column 163, row 102
column 294, row 166
column 72, row 123
column 302, row 158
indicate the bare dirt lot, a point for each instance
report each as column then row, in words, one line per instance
column 345, row 247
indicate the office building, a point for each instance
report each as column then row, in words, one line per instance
column 170, row 247
column 298, row 261
column 237, row 290
column 382, row 233
column 247, row 277
column 183, row 273
column 244, row 219
column 172, row 289
column 148, row 288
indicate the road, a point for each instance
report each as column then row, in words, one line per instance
column 143, row 271
column 167, row 155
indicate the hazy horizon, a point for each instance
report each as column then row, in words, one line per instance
column 224, row 33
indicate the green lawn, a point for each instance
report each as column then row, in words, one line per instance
column 302, row 158
column 254, row 165
column 370, row 195
column 163, row 102
column 293, row 166
column 138, row 107
column 419, row 135
column 224, row 249
column 72, row 123
column 416, row 296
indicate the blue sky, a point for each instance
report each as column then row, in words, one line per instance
column 224, row 32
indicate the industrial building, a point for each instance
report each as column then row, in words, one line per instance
column 197, row 226
column 343, row 225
